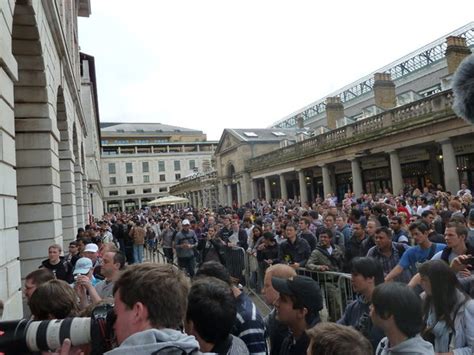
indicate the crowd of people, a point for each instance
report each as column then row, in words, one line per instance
column 411, row 264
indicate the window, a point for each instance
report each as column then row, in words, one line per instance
column 177, row 165
column 145, row 167
column 146, row 178
column 177, row 176
column 162, row 177
column 251, row 134
column 163, row 189
column 130, row 192
column 112, row 168
column 161, row 165
column 129, row 179
column 113, row 193
column 192, row 164
column 147, row 191
column 113, row 180
column 129, row 168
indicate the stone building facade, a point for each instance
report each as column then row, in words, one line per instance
column 44, row 132
column 140, row 161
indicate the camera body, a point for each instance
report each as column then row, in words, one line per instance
column 26, row 336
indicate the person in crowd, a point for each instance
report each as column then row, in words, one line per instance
column 330, row 223
column 399, row 234
column 226, row 230
column 326, row 256
column 275, row 329
column 248, row 324
column 424, row 250
column 397, row 310
column 73, row 255
column 297, row 306
column 150, row 306
column 447, row 311
column 344, row 228
column 166, row 240
column 83, row 277
column 470, row 226
column 54, row 299
column 428, row 217
column 35, row 279
column 210, row 316
column 336, row 339
column 422, row 205
column 138, row 233
column 185, row 242
column 238, row 237
column 306, row 234
column 388, row 253
column 369, row 241
column 61, row 269
column 366, row 274
column 91, row 251
column 354, row 248
column 212, row 248
column 294, row 250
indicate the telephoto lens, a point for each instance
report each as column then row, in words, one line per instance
column 24, row 336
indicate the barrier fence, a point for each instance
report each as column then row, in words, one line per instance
column 244, row 267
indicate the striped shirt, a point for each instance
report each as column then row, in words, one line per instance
column 249, row 326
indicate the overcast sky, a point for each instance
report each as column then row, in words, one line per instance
column 215, row 64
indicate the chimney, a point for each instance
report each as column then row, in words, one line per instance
column 300, row 121
column 384, row 91
column 456, row 51
column 334, row 111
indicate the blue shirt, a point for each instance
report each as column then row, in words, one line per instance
column 417, row 255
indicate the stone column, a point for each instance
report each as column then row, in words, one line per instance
column 79, row 196
column 357, row 185
column 86, row 199
column 284, row 192
column 123, row 205
column 396, row 172
column 229, row 195
column 247, row 193
column 451, row 177
column 139, row 203
column 221, row 193
column 254, row 189
column 239, row 194
column 303, row 191
column 326, row 180
column 268, row 191
column 68, row 195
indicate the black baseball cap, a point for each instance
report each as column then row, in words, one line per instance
column 303, row 288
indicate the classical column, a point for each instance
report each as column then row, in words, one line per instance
column 326, row 181
column 303, row 191
column 254, row 189
column 246, row 188
column 284, row 192
column 229, row 195
column 239, row 194
column 396, row 171
column 222, row 193
column 268, row 191
column 451, row 177
column 123, row 205
column 356, row 177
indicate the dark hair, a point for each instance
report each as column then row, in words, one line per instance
column 53, row 299
column 162, row 288
column 212, row 308
column 40, row 276
column 73, row 243
column 400, row 301
column 386, row 230
column 255, row 238
column 306, row 221
column 444, row 290
column 214, row 269
column 398, row 219
column 324, row 230
column 461, row 229
column 420, row 225
column 291, row 225
column 426, row 213
column 119, row 258
column 331, row 338
column 368, row 267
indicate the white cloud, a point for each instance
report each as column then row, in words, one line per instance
column 215, row 64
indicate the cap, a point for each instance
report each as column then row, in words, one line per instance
column 303, row 288
column 91, row 247
column 185, row 222
column 83, row 266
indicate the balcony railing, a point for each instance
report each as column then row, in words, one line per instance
column 397, row 119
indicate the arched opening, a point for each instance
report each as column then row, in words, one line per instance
column 233, row 184
column 37, row 138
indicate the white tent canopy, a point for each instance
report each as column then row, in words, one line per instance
column 168, row 200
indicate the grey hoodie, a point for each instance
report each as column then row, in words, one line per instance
column 412, row 346
column 151, row 341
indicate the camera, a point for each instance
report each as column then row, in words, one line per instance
column 26, row 336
